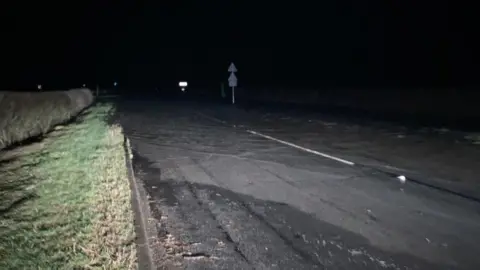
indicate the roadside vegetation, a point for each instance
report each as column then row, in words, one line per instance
column 65, row 199
column 27, row 114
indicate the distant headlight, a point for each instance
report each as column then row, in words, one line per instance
column 182, row 84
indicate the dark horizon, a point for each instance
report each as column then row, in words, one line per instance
column 332, row 45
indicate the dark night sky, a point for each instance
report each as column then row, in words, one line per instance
column 322, row 44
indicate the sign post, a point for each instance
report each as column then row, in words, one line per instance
column 232, row 80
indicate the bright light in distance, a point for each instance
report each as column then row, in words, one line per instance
column 182, row 84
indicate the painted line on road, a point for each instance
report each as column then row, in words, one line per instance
column 393, row 174
column 302, row 148
column 211, row 118
column 283, row 142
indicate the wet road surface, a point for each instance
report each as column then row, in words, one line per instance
column 224, row 198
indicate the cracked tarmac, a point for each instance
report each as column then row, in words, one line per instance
column 226, row 199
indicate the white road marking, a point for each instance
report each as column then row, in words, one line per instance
column 211, row 118
column 284, row 142
column 302, row 148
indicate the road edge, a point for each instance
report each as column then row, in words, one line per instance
column 149, row 252
column 467, row 192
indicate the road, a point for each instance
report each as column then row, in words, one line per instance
column 232, row 189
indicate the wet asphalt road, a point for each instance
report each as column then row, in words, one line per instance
column 228, row 199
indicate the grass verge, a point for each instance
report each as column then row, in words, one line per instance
column 65, row 202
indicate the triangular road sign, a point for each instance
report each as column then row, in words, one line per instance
column 232, row 68
column 232, row 80
column 232, row 77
